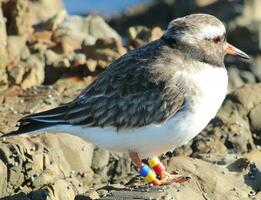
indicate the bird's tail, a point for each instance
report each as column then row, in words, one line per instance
column 40, row 121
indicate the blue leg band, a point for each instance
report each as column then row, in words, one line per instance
column 144, row 170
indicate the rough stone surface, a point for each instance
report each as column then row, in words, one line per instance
column 19, row 18
column 3, row 53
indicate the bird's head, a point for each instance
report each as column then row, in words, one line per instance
column 201, row 34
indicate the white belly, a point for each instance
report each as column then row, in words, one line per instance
column 154, row 140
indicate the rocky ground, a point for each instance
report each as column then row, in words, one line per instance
column 48, row 57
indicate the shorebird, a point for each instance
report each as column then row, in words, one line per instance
column 152, row 99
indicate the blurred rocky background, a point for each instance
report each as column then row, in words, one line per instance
column 47, row 56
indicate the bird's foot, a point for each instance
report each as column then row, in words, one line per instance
column 157, row 176
column 168, row 178
column 165, row 177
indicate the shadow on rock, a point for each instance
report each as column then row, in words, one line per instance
column 253, row 178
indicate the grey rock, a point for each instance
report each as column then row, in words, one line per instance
column 16, row 74
column 255, row 119
column 100, row 159
column 238, row 78
column 17, row 49
column 86, row 29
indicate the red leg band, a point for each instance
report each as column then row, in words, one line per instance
column 159, row 168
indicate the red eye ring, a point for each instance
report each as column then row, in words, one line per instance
column 216, row 39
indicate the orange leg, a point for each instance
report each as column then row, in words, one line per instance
column 164, row 176
column 149, row 175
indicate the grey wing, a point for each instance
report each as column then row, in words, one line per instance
column 128, row 94
column 126, row 100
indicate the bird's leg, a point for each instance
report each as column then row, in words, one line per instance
column 158, row 167
column 164, row 176
column 144, row 169
column 149, row 175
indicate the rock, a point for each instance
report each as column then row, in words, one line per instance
column 91, row 65
column 3, row 40
column 17, row 49
column 39, row 7
column 255, row 122
column 19, row 20
column 256, row 68
column 78, row 59
column 61, row 190
column 84, row 30
column 208, row 181
column 16, row 74
column 47, row 160
column 66, row 44
column 56, row 21
column 3, row 53
column 52, row 58
column 238, row 78
column 3, row 180
column 140, row 35
column 100, row 159
column 3, row 80
column 35, row 74
column 42, row 37
column 104, row 50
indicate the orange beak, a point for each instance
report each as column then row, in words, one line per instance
column 231, row 50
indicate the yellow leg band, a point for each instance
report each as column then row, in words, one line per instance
column 150, row 177
column 153, row 162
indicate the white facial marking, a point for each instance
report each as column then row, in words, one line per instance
column 209, row 31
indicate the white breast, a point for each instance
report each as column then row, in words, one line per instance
column 210, row 85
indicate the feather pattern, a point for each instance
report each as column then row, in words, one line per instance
column 131, row 93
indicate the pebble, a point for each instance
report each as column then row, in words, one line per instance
column 251, row 193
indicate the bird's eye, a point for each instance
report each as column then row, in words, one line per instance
column 216, row 39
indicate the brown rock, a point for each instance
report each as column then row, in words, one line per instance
column 43, row 37
column 19, row 21
column 104, row 49
column 34, row 73
column 139, row 35
column 3, row 53
column 66, row 44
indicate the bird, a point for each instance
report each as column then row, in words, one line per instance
column 151, row 100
